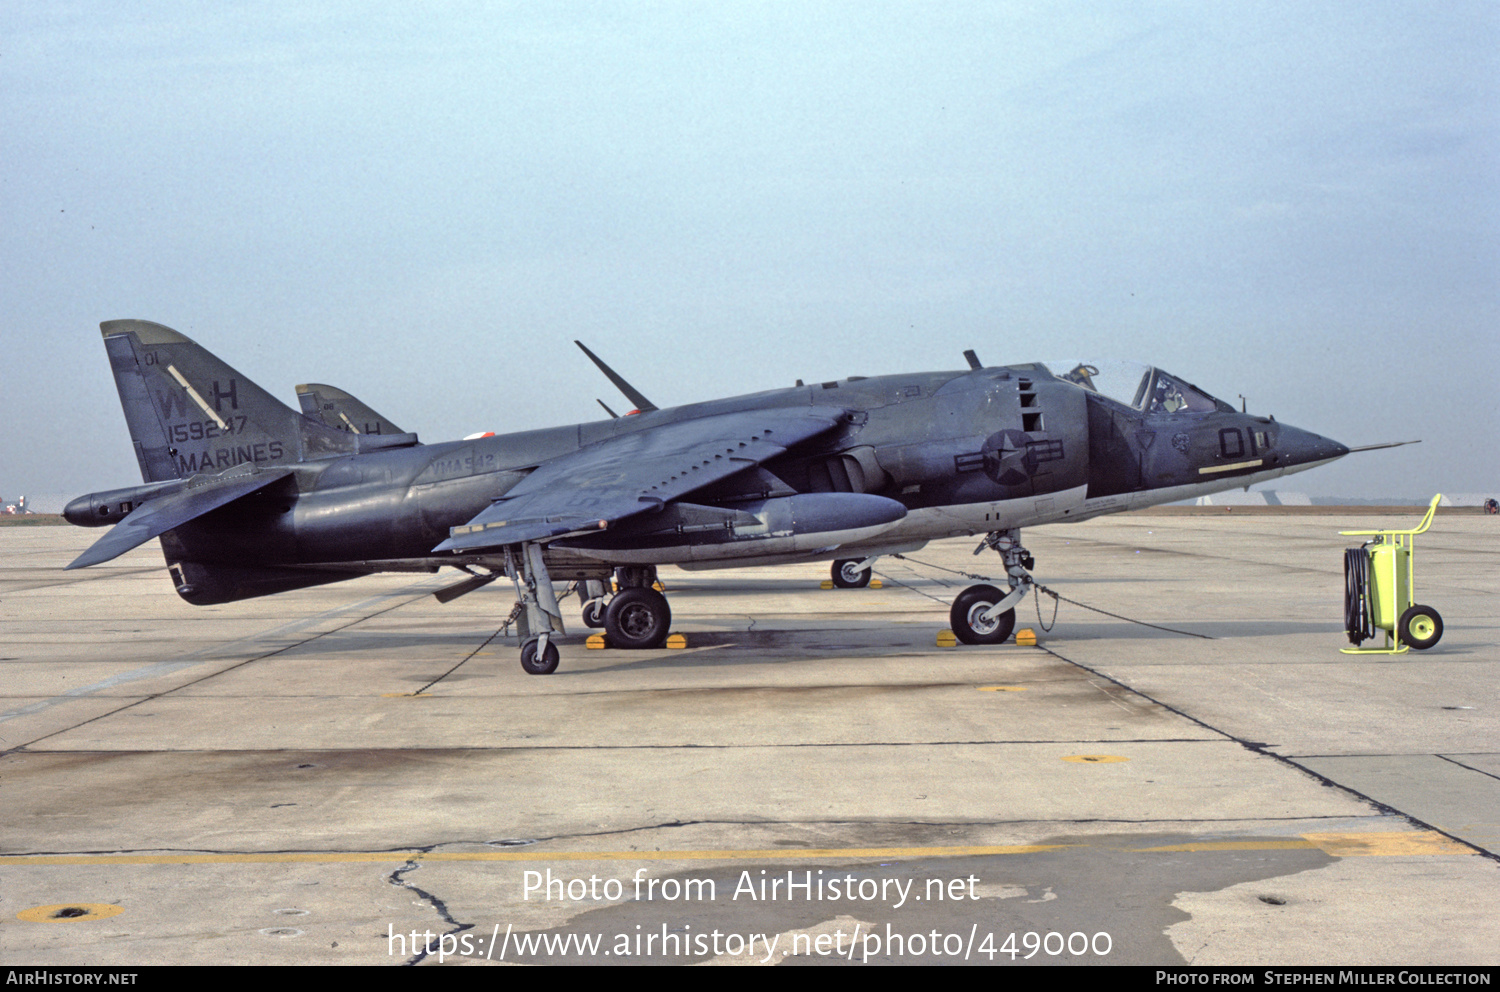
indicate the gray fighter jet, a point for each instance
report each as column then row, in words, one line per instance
column 251, row 498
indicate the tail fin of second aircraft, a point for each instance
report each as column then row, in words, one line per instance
column 190, row 413
column 341, row 410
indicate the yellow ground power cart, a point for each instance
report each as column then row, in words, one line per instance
column 1378, row 591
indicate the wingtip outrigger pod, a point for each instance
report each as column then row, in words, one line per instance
column 1378, row 584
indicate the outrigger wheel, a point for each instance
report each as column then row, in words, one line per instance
column 533, row 665
column 1420, row 627
column 966, row 617
column 847, row 574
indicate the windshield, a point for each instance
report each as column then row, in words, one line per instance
column 1136, row 385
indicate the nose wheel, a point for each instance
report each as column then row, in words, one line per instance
column 971, row 617
column 851, row 573
column 984, row 614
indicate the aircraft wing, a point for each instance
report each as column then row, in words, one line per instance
column 156, row 517
column 629, row 474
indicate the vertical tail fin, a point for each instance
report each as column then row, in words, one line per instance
column 190, row 413
column 342, row 411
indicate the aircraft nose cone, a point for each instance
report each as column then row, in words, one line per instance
column 1300, row 447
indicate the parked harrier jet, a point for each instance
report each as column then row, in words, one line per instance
column 250, row 497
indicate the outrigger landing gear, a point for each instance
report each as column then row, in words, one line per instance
column 983, row 614
column 540, row 617
column 538, row 658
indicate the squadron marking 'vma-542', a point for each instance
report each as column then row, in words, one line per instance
column 250, row 497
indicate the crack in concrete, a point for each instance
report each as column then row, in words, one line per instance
column 395, row 878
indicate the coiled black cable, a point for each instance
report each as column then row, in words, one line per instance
column 1358, row 622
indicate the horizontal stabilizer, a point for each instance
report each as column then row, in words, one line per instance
column 384, row 442
column 156, row 517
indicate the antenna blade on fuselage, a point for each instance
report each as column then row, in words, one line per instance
column 631, row 393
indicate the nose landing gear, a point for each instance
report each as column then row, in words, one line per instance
column 983, row 614
column 852, row 573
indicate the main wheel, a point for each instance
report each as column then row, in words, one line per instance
column 637, row 618
column 1420, row 627
column 968, row 624
column 593, row 613
column 545, row 665
column 847, row 576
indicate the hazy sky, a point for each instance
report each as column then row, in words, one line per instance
column 425, row 204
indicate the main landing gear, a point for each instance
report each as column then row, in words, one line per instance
column 635, row 617
column 984, row 614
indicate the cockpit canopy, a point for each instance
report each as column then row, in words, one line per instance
column 1141, row 387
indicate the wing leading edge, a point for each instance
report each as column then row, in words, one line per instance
column 630, row 474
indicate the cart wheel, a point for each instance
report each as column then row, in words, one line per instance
column 1420, row 627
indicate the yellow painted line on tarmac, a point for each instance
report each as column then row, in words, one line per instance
column 1346, row 845
column 1422, row 842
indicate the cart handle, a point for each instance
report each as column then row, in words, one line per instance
column 1420, row 529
